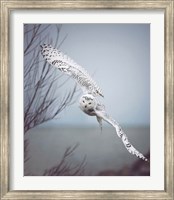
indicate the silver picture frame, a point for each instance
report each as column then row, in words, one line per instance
column 168, row 7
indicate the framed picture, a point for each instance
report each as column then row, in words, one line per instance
column 57, row 57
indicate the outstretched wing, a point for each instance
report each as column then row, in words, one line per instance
column 103, row 115
column 65, row 64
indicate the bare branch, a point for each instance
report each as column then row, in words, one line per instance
column 33, row 38
column 26, row 144
column 65, row 168
column 42, row 99
column 40, row 80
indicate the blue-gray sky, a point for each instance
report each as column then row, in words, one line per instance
column 118, row 57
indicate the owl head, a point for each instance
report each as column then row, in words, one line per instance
column 88, row 103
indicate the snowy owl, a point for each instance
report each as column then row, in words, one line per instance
column 88, row 102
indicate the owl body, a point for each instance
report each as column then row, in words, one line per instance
column 88, row 102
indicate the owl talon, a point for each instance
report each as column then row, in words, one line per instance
column 101, row 129
column 100, row 123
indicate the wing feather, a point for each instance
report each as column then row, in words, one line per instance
column 103, row 115
column 65, row 64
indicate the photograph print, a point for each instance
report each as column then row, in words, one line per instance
column 86, row 99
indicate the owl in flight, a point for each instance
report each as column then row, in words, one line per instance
column 88, row 102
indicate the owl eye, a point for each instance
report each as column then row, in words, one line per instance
column 83, row 101
column 89, row 103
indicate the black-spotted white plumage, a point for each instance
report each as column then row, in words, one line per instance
column 92, row 107
column 88, row 102
column 68, row 66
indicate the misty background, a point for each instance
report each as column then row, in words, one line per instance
column 118, row 58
